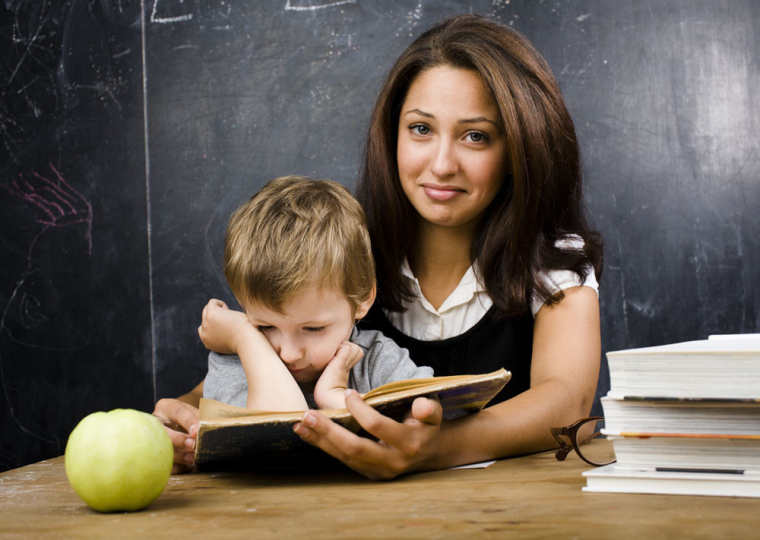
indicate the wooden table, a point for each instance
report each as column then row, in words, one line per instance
column 528, row 497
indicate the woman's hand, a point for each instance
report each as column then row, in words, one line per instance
column 180, row 420
column 400, row 448
column 221, row 327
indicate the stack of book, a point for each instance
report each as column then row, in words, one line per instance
column 684, row 418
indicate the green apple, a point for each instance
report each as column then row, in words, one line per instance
column 119, row 460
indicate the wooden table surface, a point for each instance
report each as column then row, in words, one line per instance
column 527, row 497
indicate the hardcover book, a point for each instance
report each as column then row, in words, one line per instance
column 236, row 438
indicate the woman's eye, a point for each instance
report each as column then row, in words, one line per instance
column 477, row 137
column 419, row 129
column 264, row 328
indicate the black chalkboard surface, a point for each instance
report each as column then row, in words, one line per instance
column 74, row 289
column 129, row 130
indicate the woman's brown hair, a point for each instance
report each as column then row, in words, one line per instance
column 541, row 200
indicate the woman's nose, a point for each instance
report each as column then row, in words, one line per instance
column 444, row 161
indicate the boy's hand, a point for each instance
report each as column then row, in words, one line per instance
column 329, row 392
column 222, row 327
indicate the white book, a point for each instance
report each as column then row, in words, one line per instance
column 616, row 479
column 693, row 452
column 685, row 416
column 726, row 366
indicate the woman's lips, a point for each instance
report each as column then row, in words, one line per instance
column 441, row 193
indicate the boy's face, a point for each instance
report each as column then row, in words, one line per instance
column 314, row 322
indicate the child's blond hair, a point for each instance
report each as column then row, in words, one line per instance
column 297, row 232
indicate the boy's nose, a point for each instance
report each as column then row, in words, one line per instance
column 290, row 352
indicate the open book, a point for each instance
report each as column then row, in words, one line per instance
column 233, row 437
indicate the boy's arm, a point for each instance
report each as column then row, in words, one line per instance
column 271, row 387
column 220, row 326
column 330, row 390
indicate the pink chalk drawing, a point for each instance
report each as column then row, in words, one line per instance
column 60, row 204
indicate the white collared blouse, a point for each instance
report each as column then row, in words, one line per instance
column 469, row 301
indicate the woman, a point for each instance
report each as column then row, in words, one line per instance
column 472, row 190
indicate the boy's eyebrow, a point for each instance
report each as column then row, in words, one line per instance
column 473, row 120
column 314, row 322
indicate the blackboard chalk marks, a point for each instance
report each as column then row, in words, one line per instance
column 58, row 202
column 411, row 21
column 210, row 14
column 28, row 96
column 167, row 11
column 314, row 5
column 180, row 11
column 56, row 241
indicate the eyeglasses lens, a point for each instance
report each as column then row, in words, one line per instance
column 592, row 445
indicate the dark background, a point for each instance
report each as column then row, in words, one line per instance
column 129, row 130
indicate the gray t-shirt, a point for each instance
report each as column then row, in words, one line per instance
column 383, row 362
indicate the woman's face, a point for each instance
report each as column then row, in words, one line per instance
column 451, row 148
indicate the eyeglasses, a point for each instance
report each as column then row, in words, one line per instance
column 582, row 436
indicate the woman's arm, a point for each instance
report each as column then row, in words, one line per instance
column 193, row 397
column 564, row 372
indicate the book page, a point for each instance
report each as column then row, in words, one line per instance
column 408, row 384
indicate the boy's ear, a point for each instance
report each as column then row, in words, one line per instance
column 363, row 308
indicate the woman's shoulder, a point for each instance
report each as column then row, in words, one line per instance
column 560, row 280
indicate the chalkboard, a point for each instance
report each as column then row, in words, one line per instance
column 129, row 130
column 74, row 296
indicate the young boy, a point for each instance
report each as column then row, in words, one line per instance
column 298, row 260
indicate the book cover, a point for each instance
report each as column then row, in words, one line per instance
column 616, row 479
column 233, row 437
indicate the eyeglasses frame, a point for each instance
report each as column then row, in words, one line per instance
column 571, row 432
